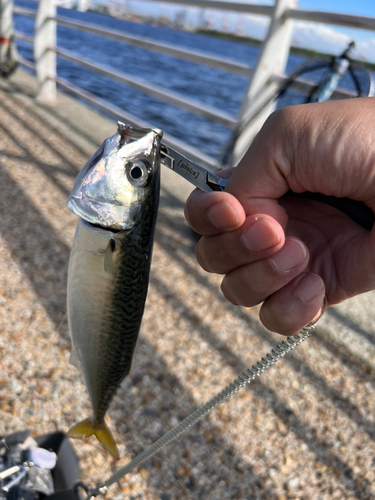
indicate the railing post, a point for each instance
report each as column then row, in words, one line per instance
column 45, row 59
column 6, row 26
column 272, row 60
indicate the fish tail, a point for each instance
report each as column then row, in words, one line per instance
column 88, row 427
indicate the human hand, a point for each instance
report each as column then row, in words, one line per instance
column 289, row 253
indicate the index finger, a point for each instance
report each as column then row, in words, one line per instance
column 213, row 213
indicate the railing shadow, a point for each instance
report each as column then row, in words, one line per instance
column 71, row 124
column 67, row 167
column 319, row 448
column 154, row 409
column 47, row 276
column 43, row 259
column 346, row 321
column 29, row 244
column 341, row 402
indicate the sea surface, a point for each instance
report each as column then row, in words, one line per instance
column 216, row 88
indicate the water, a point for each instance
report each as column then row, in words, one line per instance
column 219, row 89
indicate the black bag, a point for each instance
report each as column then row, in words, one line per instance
column 39, row 483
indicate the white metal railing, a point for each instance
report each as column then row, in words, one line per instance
column 264, row 79
column 244, row 8
column 163, row 48
column 153, row 90
column 317, row 16
column 320, row 16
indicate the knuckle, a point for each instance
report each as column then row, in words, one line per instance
column 284, row 318
column 201, row 255
column 269, row 319
column 228, row 293
column 238, row 291
column 215, row 256
column 224, row 258
column 255, row 283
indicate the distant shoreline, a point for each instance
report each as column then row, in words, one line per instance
column 232, row 37
column 312, row 54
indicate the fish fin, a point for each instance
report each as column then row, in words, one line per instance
column 73, row 360
column 105, row 437
column 88, row 428
column 109, row 260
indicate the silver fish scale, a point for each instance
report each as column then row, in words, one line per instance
column 116, row 197
column 126, row 306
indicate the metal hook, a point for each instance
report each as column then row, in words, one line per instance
column 83, row 486
column 100, row 489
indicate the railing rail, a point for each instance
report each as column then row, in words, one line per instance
column 163, row 48
column 315, row 16
column 24, row 38
column 119, row 114
column 263, row 82
column 24, row 12
column 336, row 18
column 153, row 90
column 27, row 64
column 246, row 8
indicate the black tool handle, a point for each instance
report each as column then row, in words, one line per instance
column 356, row 210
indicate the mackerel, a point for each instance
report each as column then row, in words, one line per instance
column 116, row 197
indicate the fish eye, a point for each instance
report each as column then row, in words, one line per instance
column 138, row 173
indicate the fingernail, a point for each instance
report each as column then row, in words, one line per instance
column 310, row 286
column 260, row 235
column 222, row 215
column 291, row 255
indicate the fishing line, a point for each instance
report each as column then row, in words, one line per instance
column 248, row 376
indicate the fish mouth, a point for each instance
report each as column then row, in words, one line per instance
column 88, row 211
column 107, row 229
column 136, row 132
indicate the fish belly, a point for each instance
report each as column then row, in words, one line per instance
column 106, row 304
column 90, row 290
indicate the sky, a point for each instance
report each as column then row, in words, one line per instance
column 321, row 37
column 336, row 36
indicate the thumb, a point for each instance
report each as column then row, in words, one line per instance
column 325, row 148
